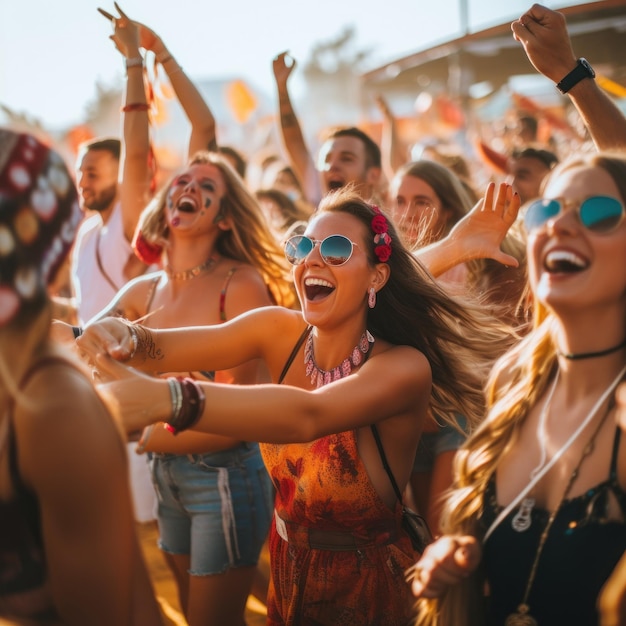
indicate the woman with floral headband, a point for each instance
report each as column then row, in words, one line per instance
column 68, row 550
column 376, row 344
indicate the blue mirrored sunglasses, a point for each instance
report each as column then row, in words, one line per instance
column 335, row 249
column 599, row 214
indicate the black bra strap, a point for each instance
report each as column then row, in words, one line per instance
column 383, row 457
column 292, row 356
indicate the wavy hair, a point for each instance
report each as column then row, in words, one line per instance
column 249, row 239
column 459, row 340
column 530, row 365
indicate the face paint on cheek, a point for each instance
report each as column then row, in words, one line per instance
column 175, row 221
column 207, row 203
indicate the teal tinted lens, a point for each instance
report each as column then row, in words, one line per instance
column 601, row 214
column 336, row 250
column 539, row 212
column 297, row 248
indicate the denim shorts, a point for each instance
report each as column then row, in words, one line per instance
column 215, row 507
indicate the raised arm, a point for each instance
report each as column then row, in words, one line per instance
column 203, row 127
column 135, row 175
column 543, row 33
column 301, row 159
column 478, row 235
column 393, row 150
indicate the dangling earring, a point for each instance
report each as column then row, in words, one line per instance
column 371, row 298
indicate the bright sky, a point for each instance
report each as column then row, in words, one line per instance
column 52, row 54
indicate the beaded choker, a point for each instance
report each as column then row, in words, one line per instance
column 192, row 273
column 592, row 355
column 358, row 356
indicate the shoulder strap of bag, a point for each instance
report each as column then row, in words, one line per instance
column 292, row 356
column 383, row 457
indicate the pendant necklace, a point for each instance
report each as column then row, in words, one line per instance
column 523, row 518
column 522, row 616
column 192, row 273
column 358, row 356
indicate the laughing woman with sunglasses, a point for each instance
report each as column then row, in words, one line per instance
column 376, row 343
column 540, row 488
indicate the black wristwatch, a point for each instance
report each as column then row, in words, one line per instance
column 582, row 70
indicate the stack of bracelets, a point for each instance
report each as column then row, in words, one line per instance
column 187, row 404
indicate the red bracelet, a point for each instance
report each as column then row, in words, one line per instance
column 135, row 106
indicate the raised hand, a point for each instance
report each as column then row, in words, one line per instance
column 125, row 32
column 283, row 64
column 483, row 229
column 543, row 33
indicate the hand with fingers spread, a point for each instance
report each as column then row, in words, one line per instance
column 444, row 563
column 543, row 33
column 483, row 229
column 283, row 64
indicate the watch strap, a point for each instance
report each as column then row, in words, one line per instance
column 581, row 71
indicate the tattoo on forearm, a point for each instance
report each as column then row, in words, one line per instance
column 146, row 345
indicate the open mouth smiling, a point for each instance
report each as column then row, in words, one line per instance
column 564, row 262
column 317, row 289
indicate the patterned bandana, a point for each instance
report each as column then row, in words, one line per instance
column 39, row 213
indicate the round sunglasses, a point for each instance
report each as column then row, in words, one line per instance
column 335, row 249
column 598, row 214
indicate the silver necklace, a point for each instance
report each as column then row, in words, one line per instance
column 358, row 356
column 523, row 518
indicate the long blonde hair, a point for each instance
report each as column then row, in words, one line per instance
column 528, row 368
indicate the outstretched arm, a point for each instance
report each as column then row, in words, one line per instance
column 543, row 33
column 478, row 235
column 293, row 139
column 203, row 127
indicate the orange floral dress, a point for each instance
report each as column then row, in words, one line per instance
column 338, row 554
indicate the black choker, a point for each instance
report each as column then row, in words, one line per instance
column 592, row 355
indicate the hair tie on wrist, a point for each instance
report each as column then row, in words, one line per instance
column 135, row 106
column 134, row 62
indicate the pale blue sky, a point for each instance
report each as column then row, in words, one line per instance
column 52, row 53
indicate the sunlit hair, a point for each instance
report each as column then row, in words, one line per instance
column 291, row 211
column 449, row 189
column 529, row 366
column 249, row 238
column 458, row 339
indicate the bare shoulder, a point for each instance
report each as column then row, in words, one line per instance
column 400, row 371
column 62, row 417
column 245, row 290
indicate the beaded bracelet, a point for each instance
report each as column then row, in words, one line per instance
column 135, row 106
column 188, row 401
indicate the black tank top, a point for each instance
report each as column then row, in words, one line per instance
column 582, row 548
